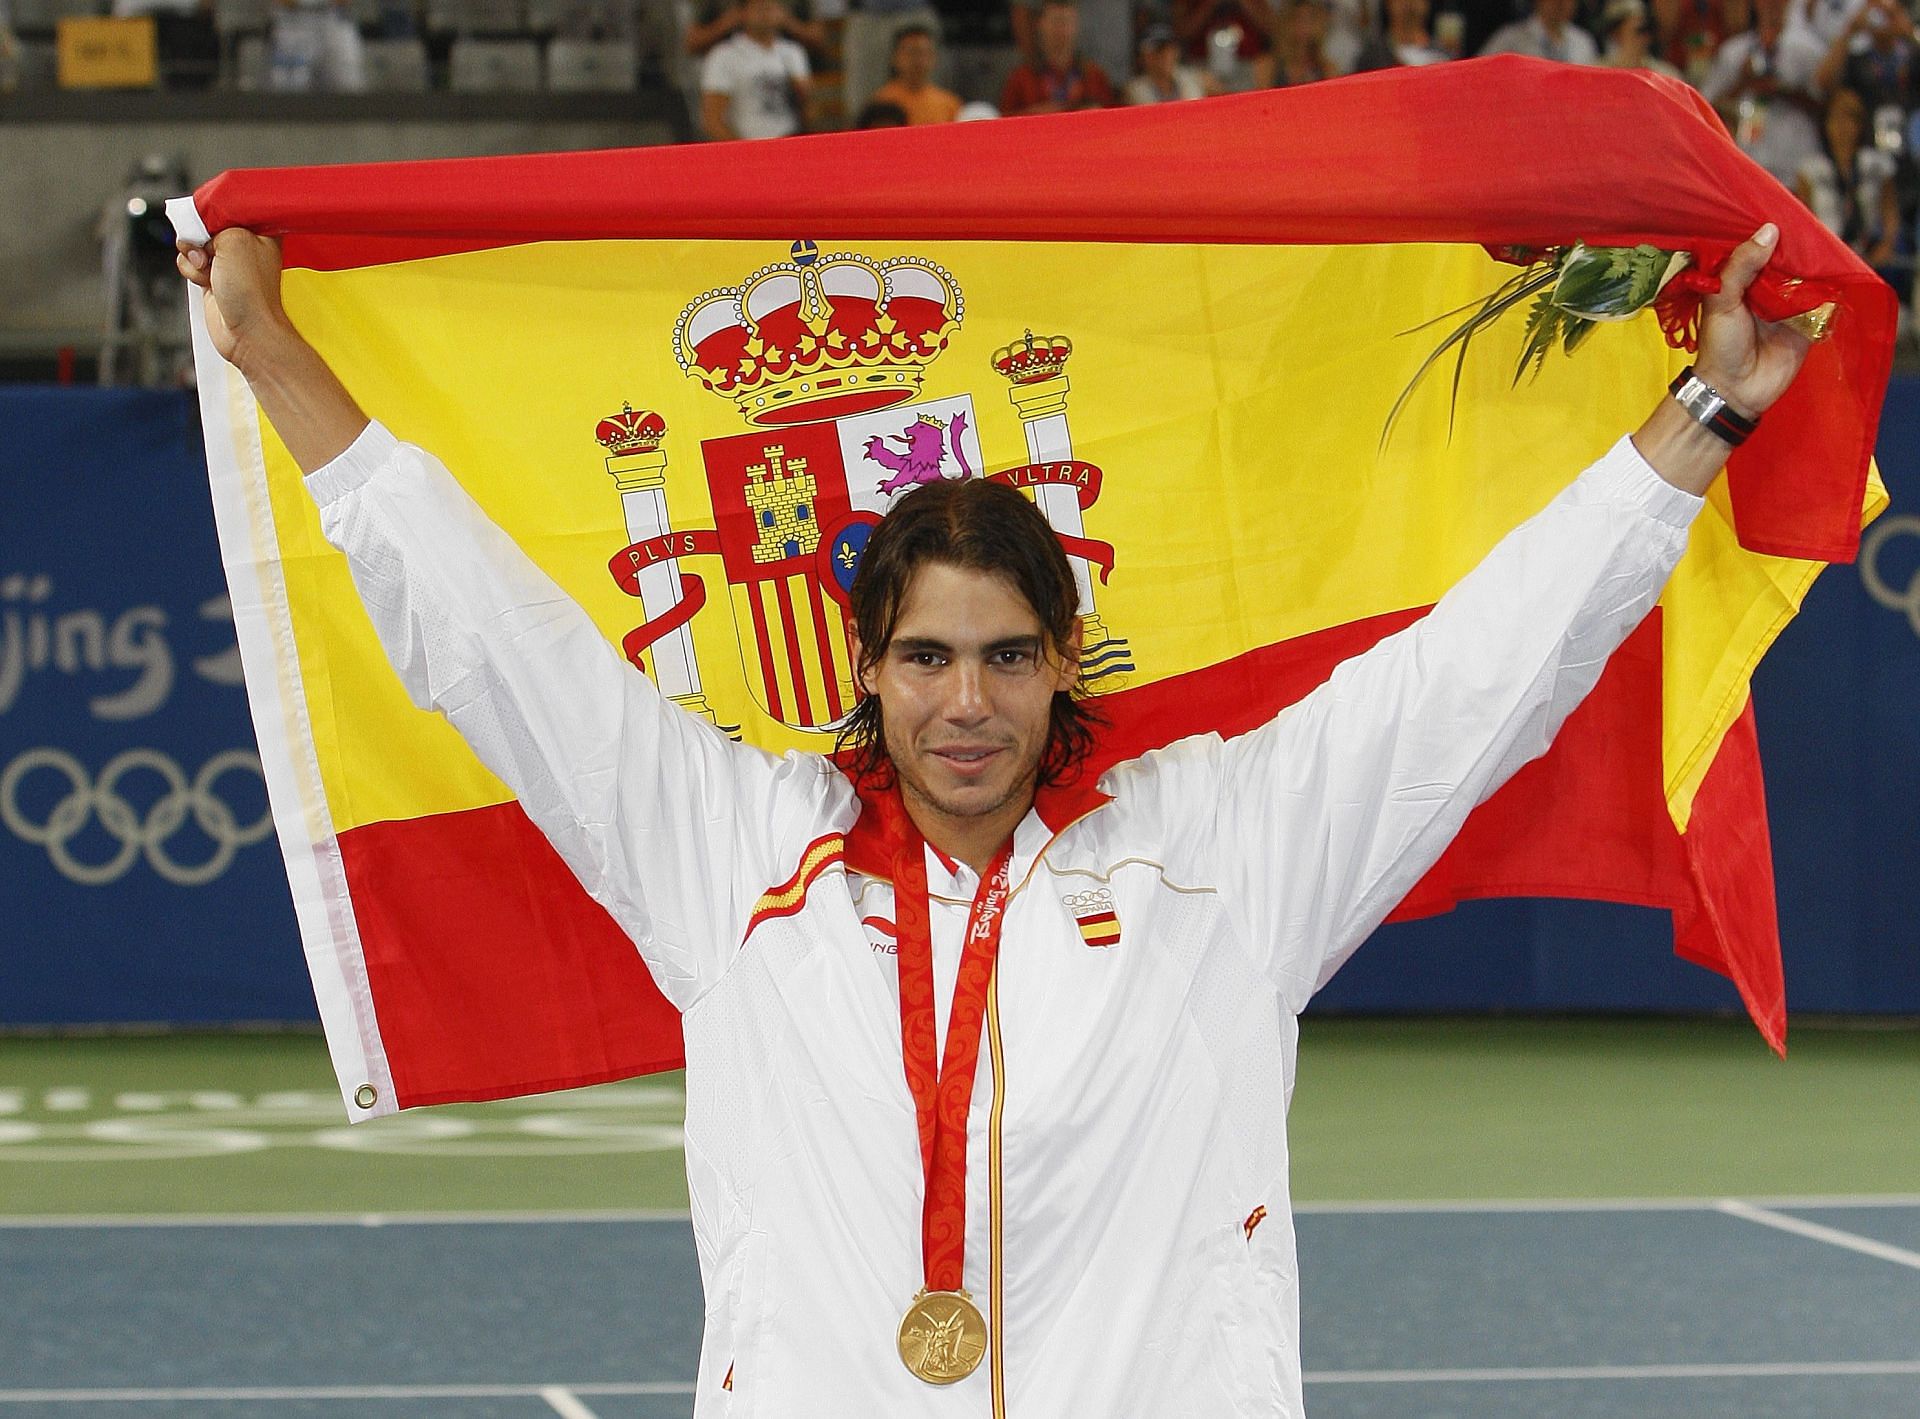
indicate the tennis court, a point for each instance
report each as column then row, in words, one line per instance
column 1542, row 1218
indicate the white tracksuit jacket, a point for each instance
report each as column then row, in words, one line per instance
column 1129, row 1234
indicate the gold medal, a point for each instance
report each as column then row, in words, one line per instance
column 943, row 1336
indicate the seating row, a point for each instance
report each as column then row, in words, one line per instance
column 441, row 17
column 475, row 65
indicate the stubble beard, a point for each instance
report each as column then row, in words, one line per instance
column 1020, row 790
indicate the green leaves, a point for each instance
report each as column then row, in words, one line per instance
column 1571, row 289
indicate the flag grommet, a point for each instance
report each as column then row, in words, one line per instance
column 366, row 1096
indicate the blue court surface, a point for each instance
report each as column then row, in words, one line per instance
column 1715, row 1309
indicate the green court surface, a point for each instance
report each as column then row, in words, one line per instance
column 1430, row 1110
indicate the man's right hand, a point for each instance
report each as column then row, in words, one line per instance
column 240, row 273
column 300, row 395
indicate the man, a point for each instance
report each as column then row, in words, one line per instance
column 1162, row 77
column 1232, row 38
column 315, row 45
column 1104, row 1229
column 1548, row 33
column 911, row 89
column 1407, row 39
column 1059, row 80
column 867, row 39
column 1875, row 56
column 755, row 83
column 1105, row 36
column 1762, row 84
column 1300, row 51
column 1629, row 39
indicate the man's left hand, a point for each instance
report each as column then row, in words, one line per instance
column 1749, row 361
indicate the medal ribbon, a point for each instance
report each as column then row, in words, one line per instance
column 942, row 1083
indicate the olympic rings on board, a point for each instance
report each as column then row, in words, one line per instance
column 136, row 834
column 1871, row 546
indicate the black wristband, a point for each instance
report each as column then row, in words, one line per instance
column 1708, row 407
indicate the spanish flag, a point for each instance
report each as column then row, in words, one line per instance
column 689, row 380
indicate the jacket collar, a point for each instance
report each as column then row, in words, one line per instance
column 884, row 827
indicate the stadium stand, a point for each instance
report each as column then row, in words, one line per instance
column 398, row 66
column 492, row 66
column 591, row 65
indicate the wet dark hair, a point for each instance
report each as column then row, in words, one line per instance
column 978, row 525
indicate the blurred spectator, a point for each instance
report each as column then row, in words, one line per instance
column 881, row 114
column 755, row 83
column 315, row 47
column 719, row 19
column 1875, row 57
column 1548, row 33
column 1761, row 82
column 1686, row 33
column 1300, row 44
column 1850, row 184
column 1106, row 32
column 1058, row 79
column 9, row 51
column 1828, row 19
column 185, row 41
column 1407, row 39
column 1233, row 39
column 1629, row 39
column 911, row 89
column 1350, row 24
column 1162, row 77
column 398, row 19
column 866, row 42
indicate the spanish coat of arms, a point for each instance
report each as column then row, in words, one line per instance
column 825, row 357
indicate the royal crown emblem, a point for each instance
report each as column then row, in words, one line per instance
column 628, row 433
column 820, row 337
column 1028, row 361
column 825, row 358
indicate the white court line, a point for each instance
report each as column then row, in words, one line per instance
column 1435, row 1206
column 338, row 1392
column 1835, row 1369
column 1832, row 1236
column 565, row 1404
column 1431, row 1207
column 335, row 1219
column 1497, row 1205
column 561, row 1395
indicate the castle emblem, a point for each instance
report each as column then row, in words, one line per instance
column 826, row 359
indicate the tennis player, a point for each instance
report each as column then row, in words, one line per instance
column 1102, row 1227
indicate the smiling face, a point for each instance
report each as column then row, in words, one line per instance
column 966, row 689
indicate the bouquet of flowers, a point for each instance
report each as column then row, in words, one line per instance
column 1571, row 288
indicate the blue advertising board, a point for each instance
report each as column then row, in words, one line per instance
column 138, row 871
column 139, row 879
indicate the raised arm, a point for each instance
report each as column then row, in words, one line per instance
column 1315, row 825
column 298, row 392
column 672, row 827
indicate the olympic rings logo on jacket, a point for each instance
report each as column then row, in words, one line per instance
column 137, row 834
